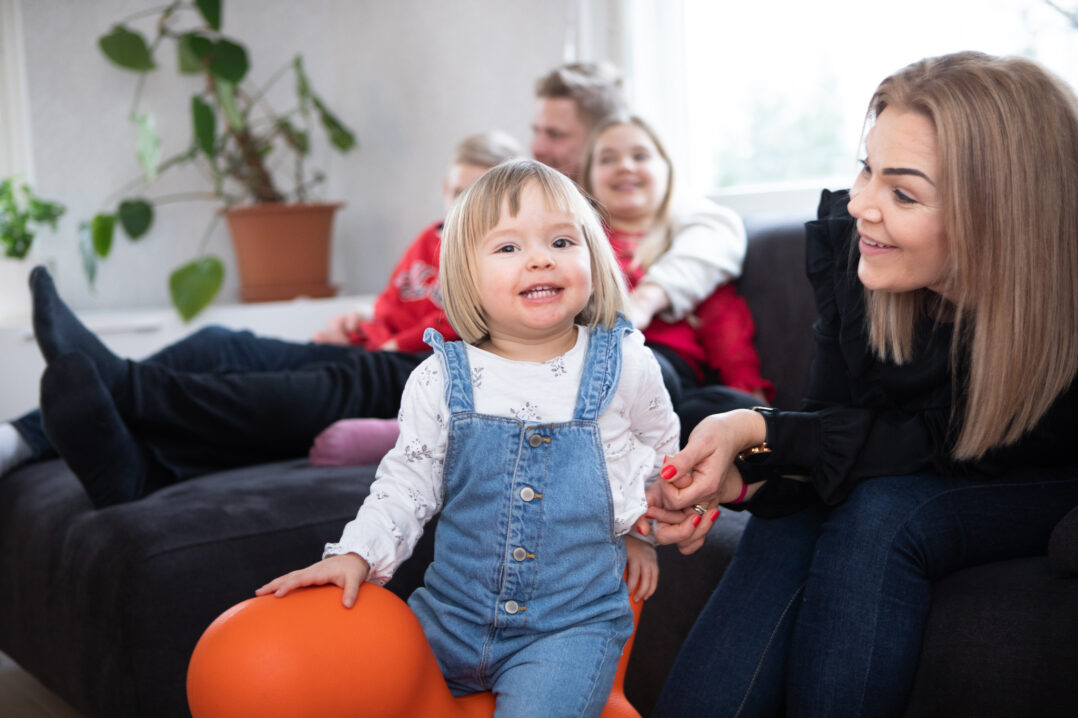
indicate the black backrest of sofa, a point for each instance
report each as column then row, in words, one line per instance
column 778, row 293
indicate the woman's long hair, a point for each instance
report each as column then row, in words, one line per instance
column 1007, row 133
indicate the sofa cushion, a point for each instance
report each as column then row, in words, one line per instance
column 780, row 298
column 1063, row 545
column 1001, row 640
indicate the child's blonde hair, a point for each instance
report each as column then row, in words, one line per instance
column 478, row 211
column 486, row 149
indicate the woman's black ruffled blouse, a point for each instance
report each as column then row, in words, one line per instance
column 863, row 417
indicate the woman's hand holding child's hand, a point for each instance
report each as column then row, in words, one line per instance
column 642, row 568
column 348, row 571
column 703, row 473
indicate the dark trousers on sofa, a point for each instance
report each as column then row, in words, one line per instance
column 221, row 398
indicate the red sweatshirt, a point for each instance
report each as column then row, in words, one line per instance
column 718, row 335
column 411, row 302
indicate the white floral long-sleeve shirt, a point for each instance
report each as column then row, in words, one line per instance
column 638, row 429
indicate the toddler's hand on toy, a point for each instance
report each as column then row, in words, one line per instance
column 347, row 571
column 642, row 568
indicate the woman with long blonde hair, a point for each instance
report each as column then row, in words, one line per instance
column 942, row 397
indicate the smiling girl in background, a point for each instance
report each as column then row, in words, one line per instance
column 629, row 172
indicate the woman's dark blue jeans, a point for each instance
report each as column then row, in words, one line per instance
column 821, row 613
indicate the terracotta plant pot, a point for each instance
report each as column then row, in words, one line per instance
column 282, row 250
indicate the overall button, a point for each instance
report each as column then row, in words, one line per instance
column 512, row 607
column 535, row 441
column 519, row 553
column 528, row 493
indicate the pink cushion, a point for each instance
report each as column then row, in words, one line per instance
column 354, row 442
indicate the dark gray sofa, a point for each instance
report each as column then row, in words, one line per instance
column 104, row 607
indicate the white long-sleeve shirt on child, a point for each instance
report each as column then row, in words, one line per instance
column 637, row 429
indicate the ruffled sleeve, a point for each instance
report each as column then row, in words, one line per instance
column 861, row 417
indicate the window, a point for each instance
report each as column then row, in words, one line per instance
column 757, row 98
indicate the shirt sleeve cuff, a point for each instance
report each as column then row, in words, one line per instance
column 794, row 439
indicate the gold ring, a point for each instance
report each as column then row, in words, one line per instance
column 699, row 509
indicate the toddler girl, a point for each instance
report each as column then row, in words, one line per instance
column 629, row 172
column 534, row 439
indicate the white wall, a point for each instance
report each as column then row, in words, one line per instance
column 411, row 77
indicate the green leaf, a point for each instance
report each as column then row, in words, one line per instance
column 192, row 50
column 127, row 49
column 211, row 12
column 16, row 234
column 86, row 251
column 205, row 124
column 136, row 216
column 229, row 61
column 194, row 285
column 226, row 97
column 16, row 237
column 148, row 145
column 101, row 229
column 341, row 137
column 303, row 86
column 294, row 137
column 42, row 211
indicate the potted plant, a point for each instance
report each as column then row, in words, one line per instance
column 240, row 142
column 22, row 215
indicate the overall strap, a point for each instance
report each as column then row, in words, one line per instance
column 454, row 358
column 602, row 370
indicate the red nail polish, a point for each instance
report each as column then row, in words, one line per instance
column 640, row 530
column 714, row 515
column 649, row 518
column 696, row 520
column 669, row 471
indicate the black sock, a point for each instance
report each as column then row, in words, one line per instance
column 82, row 422
column 58, row 331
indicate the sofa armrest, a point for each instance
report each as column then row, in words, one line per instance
column 1063, row 546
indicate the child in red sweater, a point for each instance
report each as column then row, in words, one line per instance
column 412, row 300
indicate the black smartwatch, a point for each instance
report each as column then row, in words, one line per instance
column 754, row 454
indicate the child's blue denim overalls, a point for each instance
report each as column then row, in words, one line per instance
column 525, row 596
